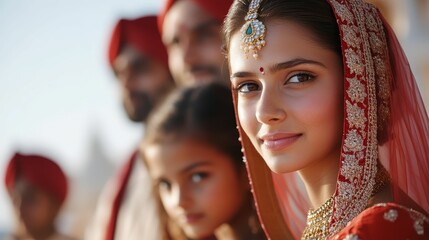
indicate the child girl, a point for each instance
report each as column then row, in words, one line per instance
column 195, row 162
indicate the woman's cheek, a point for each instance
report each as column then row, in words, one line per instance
column 321, row 114
column 247, row 117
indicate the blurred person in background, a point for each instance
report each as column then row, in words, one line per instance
column 139, row 61
column 190, row 30
column 38, row 188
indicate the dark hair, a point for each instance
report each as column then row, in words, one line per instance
column 204, row 113
column 316, row 15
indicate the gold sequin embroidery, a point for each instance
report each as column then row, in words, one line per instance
column 356, row 91
column 355, row 116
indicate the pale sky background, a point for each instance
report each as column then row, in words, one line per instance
column 56, row 85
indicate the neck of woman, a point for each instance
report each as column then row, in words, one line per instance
column 320, row 179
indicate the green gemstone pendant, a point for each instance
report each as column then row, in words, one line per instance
column 249, row 30
column 253, row 31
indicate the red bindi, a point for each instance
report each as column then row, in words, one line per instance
column 261, row 69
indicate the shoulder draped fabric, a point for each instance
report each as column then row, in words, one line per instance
column 381, row 221
column 384, row 121
column 119, row 195
column 126, row 208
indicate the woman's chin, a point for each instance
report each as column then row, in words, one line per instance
column 281, row 162
column 280, row 165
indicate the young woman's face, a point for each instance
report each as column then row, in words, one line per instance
column 290, row 100
column 200, row 188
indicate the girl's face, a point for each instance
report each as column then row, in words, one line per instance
column 290, row 100
column 200, row 188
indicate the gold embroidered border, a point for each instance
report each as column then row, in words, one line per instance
column 364, row 48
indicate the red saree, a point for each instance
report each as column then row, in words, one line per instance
column 386, row 221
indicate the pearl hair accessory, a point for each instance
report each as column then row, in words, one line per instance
column 253, row 31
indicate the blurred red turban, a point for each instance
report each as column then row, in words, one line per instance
column 38, row 171
column 142, row 33
column 215, row 8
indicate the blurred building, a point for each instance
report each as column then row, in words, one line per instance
column 86, row 187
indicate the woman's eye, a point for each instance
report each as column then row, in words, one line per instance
column 300, row 78
column 198, row 177
column 248, row 87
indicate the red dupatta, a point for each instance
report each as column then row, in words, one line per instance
column 384, row 121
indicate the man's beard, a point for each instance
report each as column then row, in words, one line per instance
column 213, row 73
column 138, row 106
column 213, row 70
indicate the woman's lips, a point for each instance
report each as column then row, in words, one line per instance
column 279, row 141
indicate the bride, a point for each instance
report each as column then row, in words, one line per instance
column 334, row 131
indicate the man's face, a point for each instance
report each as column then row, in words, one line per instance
column 143, row 82
column 193, row 42
column 35, row 208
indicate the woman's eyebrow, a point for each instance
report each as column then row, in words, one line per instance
column 280, row 66
column 242, row 74
column 293, row 63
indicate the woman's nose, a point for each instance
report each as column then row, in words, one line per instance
column 270, row 108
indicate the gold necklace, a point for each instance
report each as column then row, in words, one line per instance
column 318, row 221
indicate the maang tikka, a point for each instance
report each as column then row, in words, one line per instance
column 253, row 31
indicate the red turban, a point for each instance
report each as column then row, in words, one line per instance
column 142, row 33
column 38, row 171
column 216, row 9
